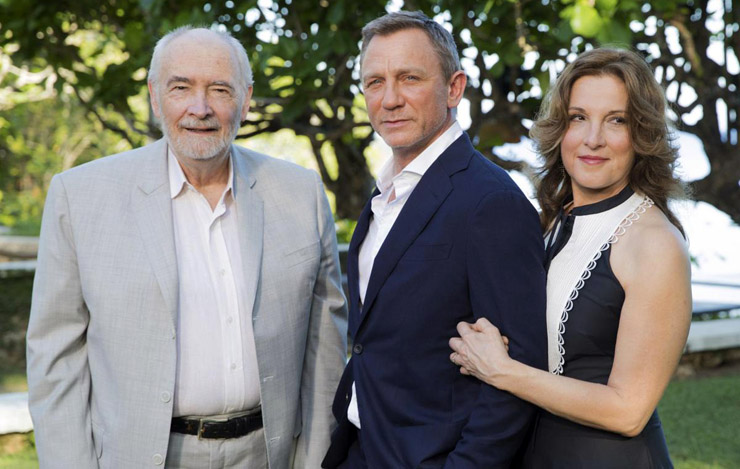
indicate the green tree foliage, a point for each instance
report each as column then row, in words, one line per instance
column 40, row 136
column 704, row 86
column 693, row 45
column 305, row 53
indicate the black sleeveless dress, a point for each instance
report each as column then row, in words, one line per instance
column 590, row 339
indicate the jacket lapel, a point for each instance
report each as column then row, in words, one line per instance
column 353, row 271
column 250, row 215
column 423, row 203
column 152, row 209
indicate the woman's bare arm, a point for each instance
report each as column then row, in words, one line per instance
column 652, row 264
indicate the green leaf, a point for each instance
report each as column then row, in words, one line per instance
column 606, row 5
column 133, row 35
column 563, row 33
column 586, row 20
column 498, row 69
column 336, row 12
column 567, row 13
column 615, row 32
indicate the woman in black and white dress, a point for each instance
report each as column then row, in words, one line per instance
column 618, row 289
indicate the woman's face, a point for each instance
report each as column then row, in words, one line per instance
column 597, row 149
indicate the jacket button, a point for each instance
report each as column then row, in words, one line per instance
column 357, row 349
column 157, row 459
column 165, row 396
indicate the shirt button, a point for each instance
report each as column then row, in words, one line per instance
column 222, row 272
column 233, row 366
column 357, row 349
column 165, row 396
column 229, row 319
column 157, row 459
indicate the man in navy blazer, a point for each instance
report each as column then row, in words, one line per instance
column 446, row 237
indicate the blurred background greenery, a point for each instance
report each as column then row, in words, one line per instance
column 73, row 88
column 73, row 80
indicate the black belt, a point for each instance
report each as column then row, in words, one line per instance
column 218, row 428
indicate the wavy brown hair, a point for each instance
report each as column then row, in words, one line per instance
column 650, row 132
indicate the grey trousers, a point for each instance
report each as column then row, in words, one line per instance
column 188, row 452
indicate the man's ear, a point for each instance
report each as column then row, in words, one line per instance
column 153, row 100
column 245, row 104
column 456, row 88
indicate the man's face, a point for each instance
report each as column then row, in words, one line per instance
column 408, row 100
column 197, row 96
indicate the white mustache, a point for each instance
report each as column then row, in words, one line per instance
column 207, row 123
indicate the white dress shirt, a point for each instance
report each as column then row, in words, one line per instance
column 385, row 213
column 216, row 356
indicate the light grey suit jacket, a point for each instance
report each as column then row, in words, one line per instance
column 101, row 338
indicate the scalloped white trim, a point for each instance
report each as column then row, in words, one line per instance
column 632, row 217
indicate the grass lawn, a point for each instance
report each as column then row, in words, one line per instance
column 17, row 451
column 700, row 419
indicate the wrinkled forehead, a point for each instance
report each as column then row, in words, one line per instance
column 200, row 60
column 200, row 49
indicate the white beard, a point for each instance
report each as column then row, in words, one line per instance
column 199, row 147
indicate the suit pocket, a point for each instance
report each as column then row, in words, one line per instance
column 427, row 446
column 427, row 252
column 301, row 255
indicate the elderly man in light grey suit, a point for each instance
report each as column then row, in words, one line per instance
column 187, row 307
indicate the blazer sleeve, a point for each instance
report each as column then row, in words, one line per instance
column 58, row 373
column 326, row 346
column 507, row 286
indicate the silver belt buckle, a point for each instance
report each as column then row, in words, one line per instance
column 202, row 421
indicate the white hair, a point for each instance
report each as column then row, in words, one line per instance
column 244, row 75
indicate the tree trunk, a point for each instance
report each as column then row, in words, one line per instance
column 721, row 187
column 354, row 183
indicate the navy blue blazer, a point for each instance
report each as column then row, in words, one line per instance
column 466, row 245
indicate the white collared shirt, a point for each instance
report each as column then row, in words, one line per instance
column 216, row 356
column 385, row 214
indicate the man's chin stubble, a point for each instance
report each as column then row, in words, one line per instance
column 203, row 149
